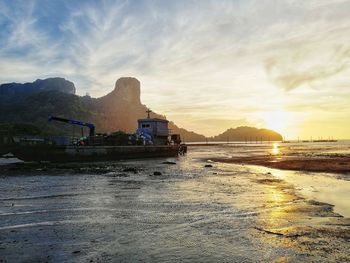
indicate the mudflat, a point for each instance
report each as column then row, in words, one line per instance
column 186, row 209
column 331, row 164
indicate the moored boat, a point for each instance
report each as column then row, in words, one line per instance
column 77, row 153
column 151, row 139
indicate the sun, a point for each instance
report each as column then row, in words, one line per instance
column 278, row 121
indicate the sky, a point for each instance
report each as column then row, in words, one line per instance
column 206, row 65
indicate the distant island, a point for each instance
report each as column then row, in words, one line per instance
column 248, row 134
column 26, row 107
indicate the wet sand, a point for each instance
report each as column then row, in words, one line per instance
column 122, row 212
column 299, row 163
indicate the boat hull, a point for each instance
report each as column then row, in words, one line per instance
column 93, row 153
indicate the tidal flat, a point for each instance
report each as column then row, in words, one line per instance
column 172, row 210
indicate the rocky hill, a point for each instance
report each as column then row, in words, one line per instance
column 247, row 134
column 10, row 91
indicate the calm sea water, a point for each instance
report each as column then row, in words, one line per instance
column 292, row 148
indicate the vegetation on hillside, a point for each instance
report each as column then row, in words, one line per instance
column 245, row 133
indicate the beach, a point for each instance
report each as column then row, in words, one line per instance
column 195, row 208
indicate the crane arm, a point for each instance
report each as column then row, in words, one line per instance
column 91, row 126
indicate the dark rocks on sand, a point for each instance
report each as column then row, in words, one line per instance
column 157, row 173
column 130, row 169
column 208, row 165
column 119, row 175
column 167, row 162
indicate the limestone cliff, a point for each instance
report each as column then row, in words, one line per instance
column 122, row 108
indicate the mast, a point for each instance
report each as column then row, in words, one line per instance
column 148, row 111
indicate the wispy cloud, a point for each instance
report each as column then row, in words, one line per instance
column 224, row 60
column 307, row 67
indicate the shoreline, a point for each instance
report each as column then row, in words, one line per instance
column 326, row 188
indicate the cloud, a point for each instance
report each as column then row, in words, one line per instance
column 196, row 60
column 305, row 68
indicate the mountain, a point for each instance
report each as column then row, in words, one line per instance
column 118, row 110
column 247, row 134
column 17, row 91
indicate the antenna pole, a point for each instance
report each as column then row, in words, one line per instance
column 148, row 111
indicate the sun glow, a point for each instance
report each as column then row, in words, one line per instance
column 284, row 122
column 277, row 121
column 275, row 149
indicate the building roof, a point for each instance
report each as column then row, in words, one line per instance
column 152, row 120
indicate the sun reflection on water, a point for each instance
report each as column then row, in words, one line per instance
column 275, row 149
column 275, row 199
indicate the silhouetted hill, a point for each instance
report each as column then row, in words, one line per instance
column 10, row 91
column 118, row 110
column 248, row 134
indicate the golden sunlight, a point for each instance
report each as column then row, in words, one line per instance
column 275, row 149
column 277, row 120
